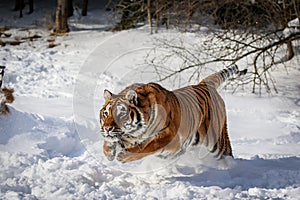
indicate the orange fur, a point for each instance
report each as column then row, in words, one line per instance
column 184, row 117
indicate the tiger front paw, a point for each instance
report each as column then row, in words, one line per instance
column 109, row 150
column 126, row 156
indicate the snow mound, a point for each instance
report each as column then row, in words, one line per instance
column 293, row 27
column 16, row 123
column 33, row 133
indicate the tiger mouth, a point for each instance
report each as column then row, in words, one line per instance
column 116, row 133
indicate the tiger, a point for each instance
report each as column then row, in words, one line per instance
column 147, row 119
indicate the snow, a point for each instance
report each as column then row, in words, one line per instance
column 293, row 27
column 294, row 23
column 51, row 148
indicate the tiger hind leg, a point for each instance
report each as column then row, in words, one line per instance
column 223, row 144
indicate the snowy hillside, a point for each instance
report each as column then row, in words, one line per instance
column 51, row 148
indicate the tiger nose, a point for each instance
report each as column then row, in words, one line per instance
column 108, row 128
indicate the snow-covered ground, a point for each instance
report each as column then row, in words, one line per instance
column 50, row 146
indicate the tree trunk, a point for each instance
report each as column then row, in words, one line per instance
column 289, row 44
column 30, row 2
column 149, row 15
column 19, row 5
column 84, row 7
column 70, row 8
column 157, row 15
column 290, row 50
column 296, row 9
column 61, row 17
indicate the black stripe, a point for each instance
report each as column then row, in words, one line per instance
column 138, row 115
column 208, row 111
column 143, row 94
column 210, row 118
column 156, row 86
column 213, row 134
column 215, row 119
column 207, row 139
column 212, row 131
column 221, row 150
column 214, row 148
column 132, row 115
column 197, row 138
column 201, row 99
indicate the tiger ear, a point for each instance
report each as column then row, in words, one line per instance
column 107, row 95
column 131, row 96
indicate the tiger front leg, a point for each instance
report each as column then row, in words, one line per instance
column 163, row 142
column 134, row 152
column 127, row 156
column 109, row 150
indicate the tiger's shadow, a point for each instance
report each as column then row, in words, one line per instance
column 245, row 174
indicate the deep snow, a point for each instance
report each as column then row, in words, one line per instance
column 50, row 146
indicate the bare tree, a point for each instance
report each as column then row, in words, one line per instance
column 70, row 8
column 132, row 12
column 84, row 7
column 237, row 30
column 20, row 4
column 149, row 15
column 179, row 12
column 62, row 16
column 255, row 31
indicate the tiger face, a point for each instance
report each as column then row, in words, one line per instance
column 120, row 118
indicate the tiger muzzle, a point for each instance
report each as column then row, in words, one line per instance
column 111, row 132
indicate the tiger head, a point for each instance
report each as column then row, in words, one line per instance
column 121, row 117
column 134, row 114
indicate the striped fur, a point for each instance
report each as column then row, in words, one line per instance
column 146, row 119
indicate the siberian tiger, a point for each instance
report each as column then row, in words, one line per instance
column 146, row 119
